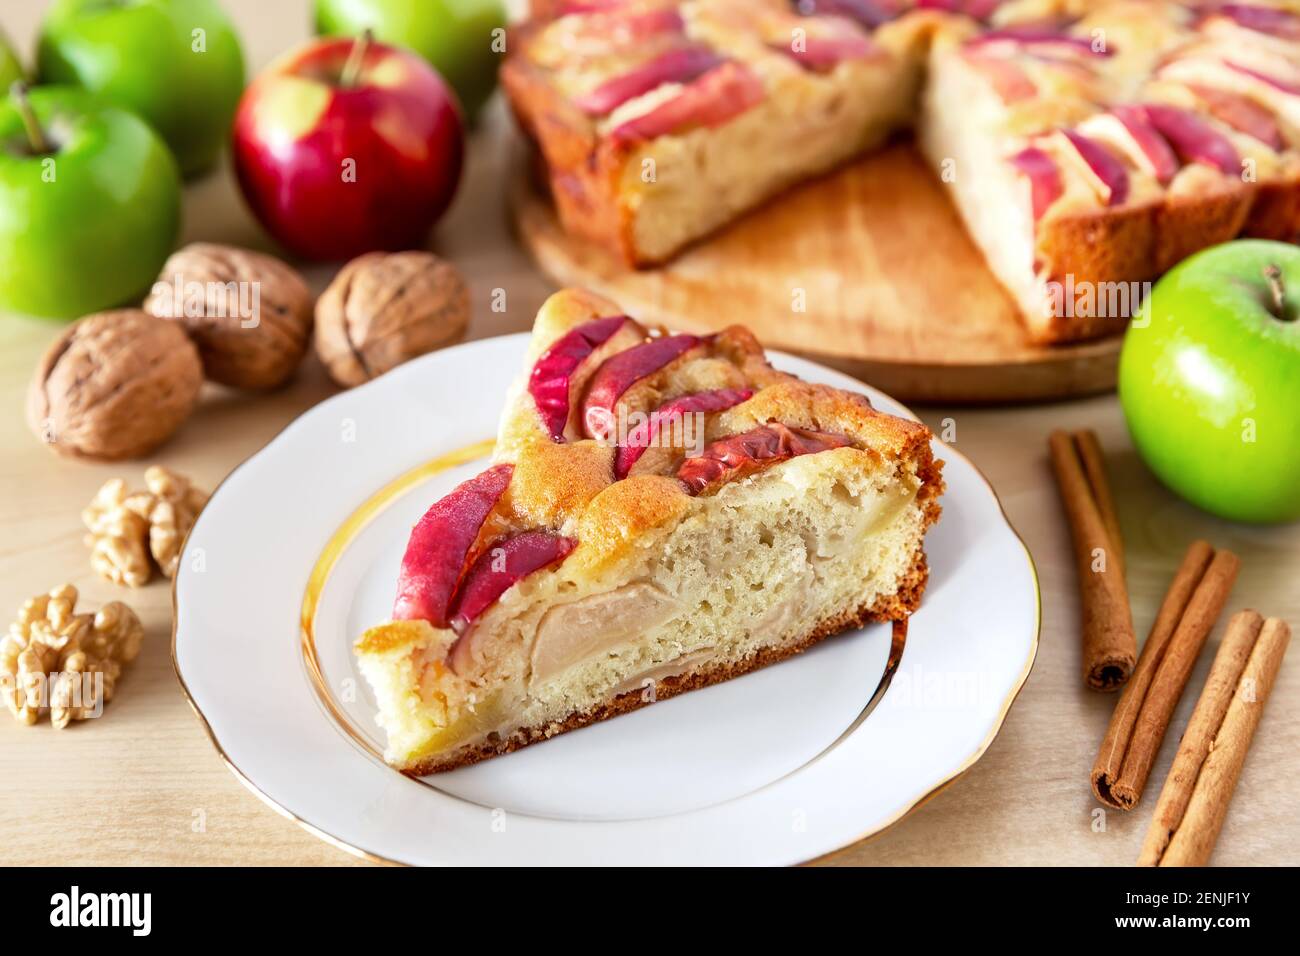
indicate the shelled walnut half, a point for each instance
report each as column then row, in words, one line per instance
column 132, row 533
column 67, row 663
column 385, row 308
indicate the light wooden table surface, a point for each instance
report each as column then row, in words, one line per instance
column 144, row 785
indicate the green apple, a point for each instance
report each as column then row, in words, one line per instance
column 177, row 63
column 1209, row 379
column 10, row 67
column 456, row 36
column 90, row 202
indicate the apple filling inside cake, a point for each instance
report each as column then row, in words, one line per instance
column 663, row 513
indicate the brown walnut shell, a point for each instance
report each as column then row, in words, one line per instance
column 114, row 385
column 385, row 308
column 249, row 313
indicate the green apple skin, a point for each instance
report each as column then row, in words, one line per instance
column 140, row 55
column 88, row 226
column 10, row 67
column 455, row 36
column 1209, row 379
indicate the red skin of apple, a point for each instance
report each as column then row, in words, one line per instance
column 822, row 53
column 739, row 455
column 666, row 415
column 620, row 372
column 1109, row 171
column 613, row 28
column 440, row 544
column 710, row 100
column 296, row 127
column 1194, row 140
column 1279, row 23
column 1163, row 163
column 499, row 567
column 1033, row 36
column 552, row 373
column 976, row 9
column 675, row 66
column 1241, row 113
column 1044, row 178
column 1273, row 81
column 869, row 13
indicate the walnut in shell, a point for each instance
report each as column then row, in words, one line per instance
column 249, row 313
column 385, row 308
column 114, row 385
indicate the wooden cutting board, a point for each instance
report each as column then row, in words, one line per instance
column 892, row 290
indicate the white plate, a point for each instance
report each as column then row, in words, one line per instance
column 774, row 767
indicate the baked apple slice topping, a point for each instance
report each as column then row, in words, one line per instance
column 975, row 9
column 1045, row 186
column 1242, row 114
column 666, row 416
column 820, row 52
column 501, row 566
column 1008, row 78
column 1270, row 20
column 869, row 13
column 439, row 546
column 620, row 372
column 1193, row 139
column 710, row 100
column 679, row 65
column 748, row 452
column 1127, row 129
column 550, row 382
column 1038, row 39
column 1105, row 173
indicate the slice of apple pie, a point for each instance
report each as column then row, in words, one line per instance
column 663, row 512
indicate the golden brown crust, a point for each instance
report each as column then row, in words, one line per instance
column 893, row 607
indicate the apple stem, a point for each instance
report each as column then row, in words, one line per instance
column 357, row 55
column 1274, row 277
column 35, row 135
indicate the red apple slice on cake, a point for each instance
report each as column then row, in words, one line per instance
column 1044, row 176
column 674, row 66
column 500, row 567
column 1128, row 130
column 621, row 372
column 1104, row 173
column 552, row 378
column 666, row 416
column 1193, row 139
column 736, row 456
column 1007, row 77
column 1242, row 113
column 710, row 100
column 440, row 544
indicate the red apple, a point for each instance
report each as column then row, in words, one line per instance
column 710, row 100
column 440, row 543
column 1194, row 140
column 499, row 567
column 550, row 382
column 1128, row 130
column 680, row 65
column 738, row 455
column 622, row 371
column 1241, row 113
column 665, row 416
column 346, row 146
column 1044, row 178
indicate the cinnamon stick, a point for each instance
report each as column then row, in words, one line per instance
column 1109, row 644
column 1187, row 615
column 1194, row 801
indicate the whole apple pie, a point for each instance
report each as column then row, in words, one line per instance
column 663, row 512
column 1088, row 144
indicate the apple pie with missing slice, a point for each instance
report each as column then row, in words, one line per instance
column 663, row 512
